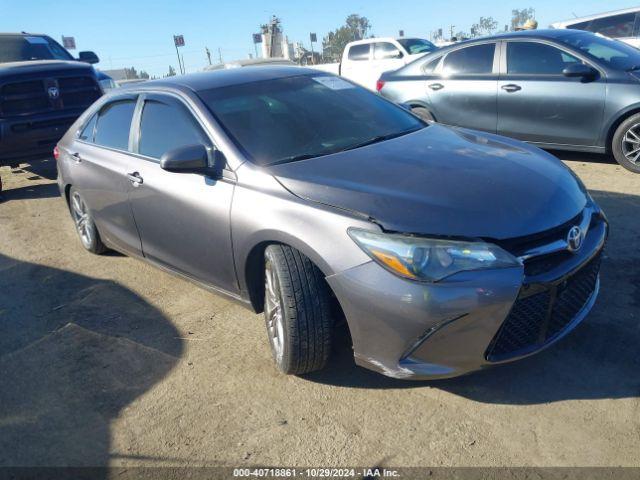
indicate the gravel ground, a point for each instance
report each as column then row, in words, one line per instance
column 108, row 361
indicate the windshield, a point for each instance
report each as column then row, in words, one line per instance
column 292, row 118
column 417, row 45
column 614, row 53
column 20, row 48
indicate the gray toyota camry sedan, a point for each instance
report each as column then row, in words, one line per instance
column 313, row 200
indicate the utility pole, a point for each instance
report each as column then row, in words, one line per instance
column 451, row 29
column 220, row 55
column 206, row 49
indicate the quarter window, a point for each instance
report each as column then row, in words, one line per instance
column 537, row 59
column 114, row 124
column 475, row 60
column 359, row 52
column 87, row 132
column 164, row 127
column 385, row 51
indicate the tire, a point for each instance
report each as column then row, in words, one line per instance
column 85, row 226
column 625, row 141
column 297, row 311
column 423, row 113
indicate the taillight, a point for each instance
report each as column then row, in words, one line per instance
column 56, row 152
column 379, row 85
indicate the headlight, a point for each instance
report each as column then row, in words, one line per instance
column 430, row 259
column 107, row 84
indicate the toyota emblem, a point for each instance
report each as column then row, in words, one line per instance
column 574, row 239
column 53, row 92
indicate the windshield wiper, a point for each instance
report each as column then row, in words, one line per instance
column 294, row 158
column 372, row 140
column 381, row 138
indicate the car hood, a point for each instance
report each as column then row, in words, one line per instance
column 443, row 181
column 40, row 66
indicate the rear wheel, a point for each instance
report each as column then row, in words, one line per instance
column 423, row 113
column 626, row 143
column 85, row 226
column 296, row 310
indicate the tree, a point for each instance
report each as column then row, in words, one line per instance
column 486, row 26
column 172, row 72
column 355, row 28
column 143, row 75
column 519, row 17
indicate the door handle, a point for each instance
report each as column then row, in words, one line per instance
column 512, row 87
column 135, row 179
column 76, row 156
column 436, row 86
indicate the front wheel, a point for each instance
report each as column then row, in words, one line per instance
column 626, row 143
column 296, row 310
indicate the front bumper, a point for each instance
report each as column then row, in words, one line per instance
column 473, row 320
column 32, row 135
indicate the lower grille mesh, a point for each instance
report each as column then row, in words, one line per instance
column 537, row 319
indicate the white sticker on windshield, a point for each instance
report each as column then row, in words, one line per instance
column 37, row 40
column 334, row 83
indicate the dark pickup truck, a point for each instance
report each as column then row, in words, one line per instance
column 43, row 89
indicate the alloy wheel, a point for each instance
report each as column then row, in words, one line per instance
column 273, row 310
column 631, row 144
column 82, row 220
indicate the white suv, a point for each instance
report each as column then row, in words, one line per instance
column 623, row 25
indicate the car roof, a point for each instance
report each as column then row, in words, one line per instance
column 548, row 34
column 23, row 34
column 223, row 78
column 594, row 17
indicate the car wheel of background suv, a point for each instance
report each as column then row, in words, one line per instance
column 626, row 143
column 297, row 311
column 85, row 226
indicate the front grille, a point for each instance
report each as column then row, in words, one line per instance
column 538, row 318
column 19, row 97
column 31, row 97
column 78, row 91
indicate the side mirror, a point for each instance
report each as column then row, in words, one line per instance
column 397, row 54
column 579, row 70
column 188, row 159
column 88, row 57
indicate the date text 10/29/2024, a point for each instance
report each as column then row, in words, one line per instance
column 363, row 473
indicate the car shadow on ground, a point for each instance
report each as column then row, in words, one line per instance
column 74, row 351
column 600, row 359
column 583, row 157
column 36, row 170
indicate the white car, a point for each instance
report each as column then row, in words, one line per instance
column 623, row 25
column 363, row 61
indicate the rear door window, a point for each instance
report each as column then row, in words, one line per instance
column 114, row 123
column 474, row 60
column 166, row 126
column 533, row 58
column 385, row 51
column 359, row 52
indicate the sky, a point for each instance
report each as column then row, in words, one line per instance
column 139, row 33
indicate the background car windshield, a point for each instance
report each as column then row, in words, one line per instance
column 20, row 48
column 277, row 120
column 615, row 54
column 417, row 45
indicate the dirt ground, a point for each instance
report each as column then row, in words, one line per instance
column 108, row 361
